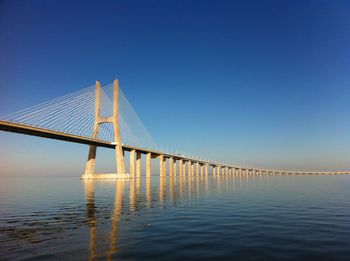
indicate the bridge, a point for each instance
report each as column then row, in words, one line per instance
column 100, row 117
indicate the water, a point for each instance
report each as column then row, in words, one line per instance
column 202, row 217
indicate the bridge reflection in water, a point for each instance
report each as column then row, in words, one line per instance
column 139, row 194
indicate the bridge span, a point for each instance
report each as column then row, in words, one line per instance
column 194, row 166
column 177, row 164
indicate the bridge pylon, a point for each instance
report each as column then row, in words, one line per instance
column 114, row 119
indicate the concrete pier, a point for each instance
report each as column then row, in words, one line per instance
column 132, row 163
column 181, row 167
column 148, row 164
column 171, row 166
column 138, row 164
column 189, row 168
column 174, row 168
column 161, row 165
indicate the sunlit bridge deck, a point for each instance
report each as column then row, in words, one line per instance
column 57, row 135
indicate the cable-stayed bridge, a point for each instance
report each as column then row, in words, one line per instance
column 103, row 117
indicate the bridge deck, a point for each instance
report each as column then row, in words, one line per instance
column 57, row 135
column 52, row 134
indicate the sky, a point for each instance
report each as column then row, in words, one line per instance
column 257, row 83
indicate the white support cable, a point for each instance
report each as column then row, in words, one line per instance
column 73, row 114
column 27, row 110
column 49, row 115
column 42, row 109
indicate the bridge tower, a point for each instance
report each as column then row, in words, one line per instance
column 114, row 119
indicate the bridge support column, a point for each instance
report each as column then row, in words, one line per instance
column 171, row 166
column 148, row 164
column 161, row 165
column 138, row 164
column 119, row 153
column 174, row 168
column 197, row 168
column 117, row 138
column 181, row 167
column 90, row 165
column 132, row 163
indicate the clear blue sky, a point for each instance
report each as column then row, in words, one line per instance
column 263, row 83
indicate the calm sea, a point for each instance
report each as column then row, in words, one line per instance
column 196, row 218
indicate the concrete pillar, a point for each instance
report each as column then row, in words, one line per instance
column 148, row 164
column 132, row 163
column 174, row 168
column 164, row 165
column 171, row 163
column 206, row 169
column 197, row 168
column 189, row 168
column 117, row 138
column 161, row 165
column 181, row 168
column 192, row 169
column 202, row 169
column 138, row 164
column 90, row 164
column 219, row 170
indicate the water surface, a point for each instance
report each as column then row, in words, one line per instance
column 200, row 217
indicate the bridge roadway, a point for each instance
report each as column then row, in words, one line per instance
column 218, row 167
